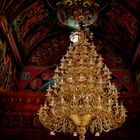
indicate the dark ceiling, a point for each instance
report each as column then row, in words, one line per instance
column 41, row 39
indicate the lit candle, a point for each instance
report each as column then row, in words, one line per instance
column 62, row 100
column 91, row 79
column 62, row 80
column 99, row 99
column 52, row 133
column 52, row 101
column 99, row 102
column 49, row 89
column 74, row 98
column 67, row 55
column 62, row 60
column 45, row 104
column 109, row 104
column 117, row 104
column 57, row 70
column 91, row 62
column 75, row 134
column 122, row 109
column 100, row 80
column 117, row 111
column 55, row 83
column 87, row 99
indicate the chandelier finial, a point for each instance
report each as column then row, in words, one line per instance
column 77, row 13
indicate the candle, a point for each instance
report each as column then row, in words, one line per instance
column 45, row 104
column 122, row 109
column 62, row 100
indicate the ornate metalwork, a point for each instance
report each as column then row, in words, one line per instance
column 83, row 97
column 78, row 11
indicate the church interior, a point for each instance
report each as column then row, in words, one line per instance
column 32, row 43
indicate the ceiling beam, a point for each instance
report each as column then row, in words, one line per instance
column 11, row 40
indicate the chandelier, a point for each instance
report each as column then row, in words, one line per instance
column 82, row 98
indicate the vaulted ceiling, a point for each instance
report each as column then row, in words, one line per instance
column 41, row 39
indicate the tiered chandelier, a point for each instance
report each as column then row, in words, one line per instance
column 83, row 97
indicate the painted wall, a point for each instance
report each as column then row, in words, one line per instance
column 34, row 78
column 8, row 68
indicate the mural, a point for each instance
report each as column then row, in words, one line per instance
column 124, row 81
column 112, row 56
column 38, row 81
column 50, row 51
column 26, row 26
column 8, row 70
column 119, row 27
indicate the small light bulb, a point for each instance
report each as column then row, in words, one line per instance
column 97, row 134
column 74, row 134
column 52, row 133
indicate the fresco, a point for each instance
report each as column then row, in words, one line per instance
column 119, row 27
column 26, row 26
column 50, row 51
column 8, row 70
column 124, row 81
column 40, row 78
column 112, row 56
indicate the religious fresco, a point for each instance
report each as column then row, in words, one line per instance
column 112, row 56
column 124, row 81
column 38, row 78
column 26, row 26
column 50, row 51
column 119, row 26
column 54, row 47
column 8, row 69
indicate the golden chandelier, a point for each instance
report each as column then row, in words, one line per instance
column 83, row 97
